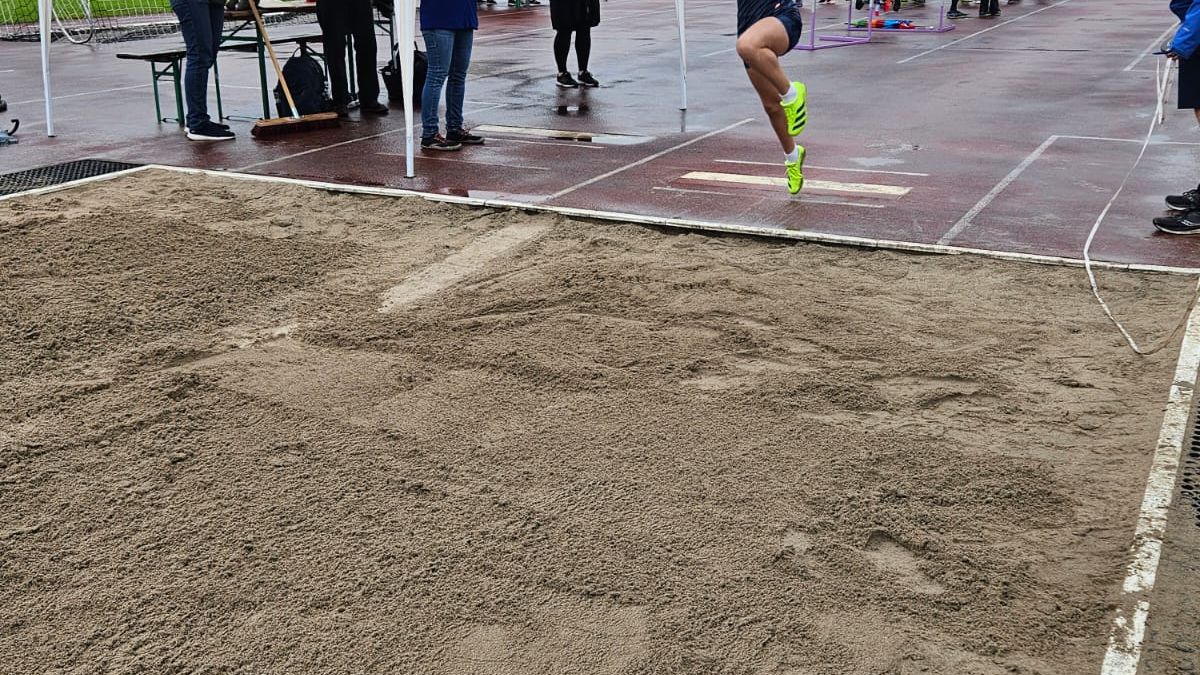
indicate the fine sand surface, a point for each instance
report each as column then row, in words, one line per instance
column 570, row 447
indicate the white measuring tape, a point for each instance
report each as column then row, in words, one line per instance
column 1162, row 83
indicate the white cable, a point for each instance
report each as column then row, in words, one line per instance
column 1161, row 84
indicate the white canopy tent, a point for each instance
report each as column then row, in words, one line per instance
column 404, row 17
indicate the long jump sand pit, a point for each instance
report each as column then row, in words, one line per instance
column 567, row 447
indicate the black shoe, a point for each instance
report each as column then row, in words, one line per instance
column 1186, row 223
column 221, row 125
column 1188, row 201
column 374, row 108
column 858, row 4
column 566, row 81
column 586, row 79
column 956, row 15
column 342, row 111
column 995, row 13
column 209, row 131
column 439, row 143
column 464, row 137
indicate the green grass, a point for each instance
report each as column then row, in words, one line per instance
column 25, row 11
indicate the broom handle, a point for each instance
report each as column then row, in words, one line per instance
column 262, row 32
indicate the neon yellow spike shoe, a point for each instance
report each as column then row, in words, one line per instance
column 797, row 111
column 795, row 171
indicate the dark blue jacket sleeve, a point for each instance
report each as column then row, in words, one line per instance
column 1187, row 38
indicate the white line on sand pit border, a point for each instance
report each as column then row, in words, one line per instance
column 969, row 217
column 1125, row 643
column 76, row 183
column 657, row 221
column 1146, row 52
column 643, row 219
column 977, row 33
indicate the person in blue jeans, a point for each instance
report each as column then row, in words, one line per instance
column 200, row 22
column 449, row 30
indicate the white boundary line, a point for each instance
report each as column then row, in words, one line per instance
column 1146, row 52
column 644, row 160
column 985, row 30
column 642, row 219
column 969, row 217
column 310, row 151
column 1125, row 643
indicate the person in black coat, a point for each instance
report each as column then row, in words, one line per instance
column 578, row 17
column 355, row 18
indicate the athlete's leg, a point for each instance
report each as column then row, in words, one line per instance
column 760, row 47
column 770, row 103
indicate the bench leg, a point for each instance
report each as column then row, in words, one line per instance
column 262, row 76
column 176, row 73
column 158, row 118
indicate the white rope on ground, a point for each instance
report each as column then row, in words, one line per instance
column 1162, row 84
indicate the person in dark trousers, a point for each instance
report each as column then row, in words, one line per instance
column 354, row 18
column 954, row 13
column 1183, row 50
column 200, row 22
column 448, row 27
column 989, row 8
column 578, row 17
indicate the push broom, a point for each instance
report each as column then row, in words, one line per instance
column 296, row 122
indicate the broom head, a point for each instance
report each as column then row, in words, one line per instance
column 292, row 125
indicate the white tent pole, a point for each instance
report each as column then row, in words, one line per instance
column 44, row 30
column 683, row 97
column 406, row 13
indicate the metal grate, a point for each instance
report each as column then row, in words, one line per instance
column 1190, row 484
column 57, row 174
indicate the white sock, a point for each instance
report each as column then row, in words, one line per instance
column 793, row 156
column 791, row 95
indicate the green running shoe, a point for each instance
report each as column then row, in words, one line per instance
column 796, row 111
column 795, row 172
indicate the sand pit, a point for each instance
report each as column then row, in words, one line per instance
column 566, row 447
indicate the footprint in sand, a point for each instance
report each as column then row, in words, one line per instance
column 895, row 559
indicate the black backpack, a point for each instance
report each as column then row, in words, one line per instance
column 391, row 77
column 306, row 80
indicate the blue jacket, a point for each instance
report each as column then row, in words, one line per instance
column 451, row 15
column 1187, row 38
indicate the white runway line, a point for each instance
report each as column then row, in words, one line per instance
column 978, row 33
column 691, row 192
column 644, row 160
column 416, row 132
column 968, row 218
column 459, row 265
column 826, row 168
column 573, row 146
column 833, row 186
column 1153, row 46
column 1125, row 643
column 459, row 160
column 82, row 93
column 1125, row 140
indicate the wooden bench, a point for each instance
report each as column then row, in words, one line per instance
column 166, row 61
